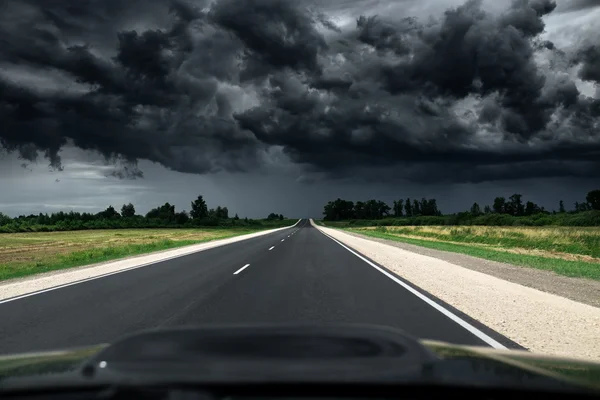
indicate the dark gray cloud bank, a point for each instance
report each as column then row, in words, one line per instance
column 470, row 95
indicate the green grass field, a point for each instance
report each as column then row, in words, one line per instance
column 23, row 254
column 569, row 251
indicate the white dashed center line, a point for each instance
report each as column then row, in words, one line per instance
column 282, row 240
column 241, row 269
column 272, row 247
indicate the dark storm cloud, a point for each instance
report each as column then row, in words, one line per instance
column 384, row 35
column 206, row 86
column 589, row 57
column 139, row 103
column 577, row 5
column 277, row 32
column 403, row 115
column 471, row 48
column 525, row 16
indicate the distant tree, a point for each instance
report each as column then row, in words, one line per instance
column 43, row 219
column 344, row 209
column 532, row 208
column 561, row 207
column 424, row 206
column 432, row 208
column 128, row 210
column 222, row 212
column 236, row 217
column 359, row 210
column 372, row 209
column 329, row 212
column 273, row 217
column 475, row 209
column 428, row 207
column 109, row 213
column 181, row 218
column 398, row 206
column 416, row 208
column 212, row 213
column 515, row 205
column 5, row 219
column 166, row 212
column 499, row 205
column 85, row 217
column 583, row 206
column 199, row 208
column 383, row 210
column 593, row 199
column 408, row 207
column 487, row 210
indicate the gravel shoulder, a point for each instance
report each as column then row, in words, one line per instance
column 542, row 322
column 586, row 291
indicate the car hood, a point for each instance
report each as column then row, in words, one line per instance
column 579, row 373
column 297, row 354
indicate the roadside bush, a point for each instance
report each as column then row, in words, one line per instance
column 588, row 218
column 494, row 220
column 544, row 221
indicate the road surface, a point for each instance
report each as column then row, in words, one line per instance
column 295, row 275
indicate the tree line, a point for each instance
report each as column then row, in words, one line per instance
column 110, row 218
column 376, row 209
column 513, row 206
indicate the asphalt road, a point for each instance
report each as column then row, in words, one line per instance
column 294, row 275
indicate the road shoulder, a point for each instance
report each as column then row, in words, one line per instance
column 539, row 321
column 13, row 289
column 586, row 291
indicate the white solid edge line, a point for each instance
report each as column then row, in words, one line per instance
column 241, row 269
column 272, row 247
column 487, row 339
column 22, row 296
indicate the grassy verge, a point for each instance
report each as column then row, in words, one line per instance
column 580, row 219
column 23, row 254
column 551, row 240
column 580, row 269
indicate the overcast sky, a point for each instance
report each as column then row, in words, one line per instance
column 279, row 106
